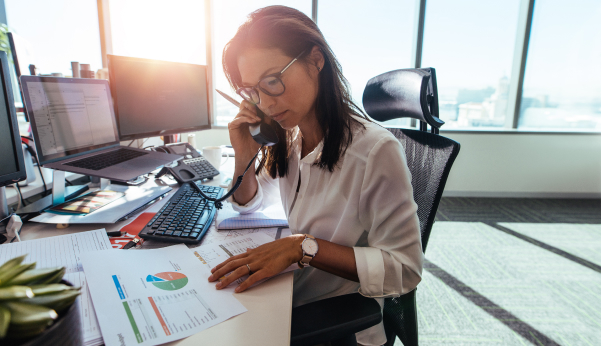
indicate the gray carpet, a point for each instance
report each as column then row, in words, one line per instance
column 514, row 279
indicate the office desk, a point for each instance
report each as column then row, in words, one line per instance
column 267, row 321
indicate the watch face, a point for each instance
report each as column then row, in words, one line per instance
column 310, row 246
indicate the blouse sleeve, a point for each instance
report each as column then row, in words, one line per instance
column 391, row 264
column 268, row 193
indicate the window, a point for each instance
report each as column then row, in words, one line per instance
column 471, row 43
column 46, row 37
column 155, row 29
column 368, row 39
column 562, row 80
column 228, row 15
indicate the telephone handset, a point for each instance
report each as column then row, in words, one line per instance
column 262, row 132
column 192, row 167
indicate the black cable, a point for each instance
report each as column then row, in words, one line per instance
column 218, row 201
column 35, row 157
column 20, row 194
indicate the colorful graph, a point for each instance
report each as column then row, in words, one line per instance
column 169, row 281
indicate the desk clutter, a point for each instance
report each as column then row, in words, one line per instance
column 144, row 297
column 133, row 200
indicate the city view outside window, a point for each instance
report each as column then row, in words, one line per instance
column 471, row 45
column 562, row 82
column 380, row 44
column 228, row 15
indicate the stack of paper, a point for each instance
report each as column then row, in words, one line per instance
column 66, row 251
column 228, row 218
column 150, row 297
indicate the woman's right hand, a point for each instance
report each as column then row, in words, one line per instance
column 243, row 144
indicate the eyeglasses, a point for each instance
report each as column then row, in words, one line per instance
column 271, row 85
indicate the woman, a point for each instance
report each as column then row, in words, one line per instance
column 343, row 180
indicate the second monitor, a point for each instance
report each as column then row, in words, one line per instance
column 158, row 98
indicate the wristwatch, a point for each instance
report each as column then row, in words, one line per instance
column 310, row 248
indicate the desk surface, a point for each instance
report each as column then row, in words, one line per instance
column 267, row 321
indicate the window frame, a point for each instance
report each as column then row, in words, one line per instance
column 520, row 55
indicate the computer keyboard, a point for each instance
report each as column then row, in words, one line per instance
column 104, row 160
column 185, row 218
column 203, row 168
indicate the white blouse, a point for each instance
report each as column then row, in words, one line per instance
column 366, row 203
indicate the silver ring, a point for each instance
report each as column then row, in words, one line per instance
column 250, row 272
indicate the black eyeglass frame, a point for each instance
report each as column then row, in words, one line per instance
column 277, row 75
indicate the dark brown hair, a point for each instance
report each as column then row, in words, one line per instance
column 293, row 32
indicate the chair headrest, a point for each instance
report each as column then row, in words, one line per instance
column 405, row 93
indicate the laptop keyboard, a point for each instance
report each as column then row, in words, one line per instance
column 105, row 160
column 186, row 217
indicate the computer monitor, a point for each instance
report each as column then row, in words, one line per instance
column 19, row 55
column 158, row 98
column 12, row 164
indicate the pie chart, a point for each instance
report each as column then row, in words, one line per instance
column 168, row 281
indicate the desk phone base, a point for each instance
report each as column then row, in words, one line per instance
column 185, row 218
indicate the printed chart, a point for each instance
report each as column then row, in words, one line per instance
column 168, row 281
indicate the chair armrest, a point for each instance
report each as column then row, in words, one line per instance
column 333, row 318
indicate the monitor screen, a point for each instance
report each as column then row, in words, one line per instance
column 69, row 115
column 12, row 168
column 156, row 98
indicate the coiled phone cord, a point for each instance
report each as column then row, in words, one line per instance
column 218, row 201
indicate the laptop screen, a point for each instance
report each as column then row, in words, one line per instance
column 69, row 116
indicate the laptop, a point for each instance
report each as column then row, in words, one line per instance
column 74, row 128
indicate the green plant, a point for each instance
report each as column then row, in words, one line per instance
column 31, row 299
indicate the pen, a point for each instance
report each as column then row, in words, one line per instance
column 137, row 210
column 229, row 98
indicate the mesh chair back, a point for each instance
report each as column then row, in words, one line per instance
column 429, row 158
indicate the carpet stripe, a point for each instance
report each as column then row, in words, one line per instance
column 517, row 325
column 548, row 247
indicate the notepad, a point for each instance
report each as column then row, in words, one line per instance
column 228, row 218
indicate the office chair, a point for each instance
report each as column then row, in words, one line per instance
column 406, row 93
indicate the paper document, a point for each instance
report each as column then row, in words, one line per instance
column 228, row 218
column 135, row 197
column 217, row 252
column 150, row 297
column 66, row 250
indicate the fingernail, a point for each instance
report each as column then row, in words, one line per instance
column 218, row 285
column 237, row 289
column 211, row 278
column 213, row 270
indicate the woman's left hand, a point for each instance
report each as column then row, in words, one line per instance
column 265, row 261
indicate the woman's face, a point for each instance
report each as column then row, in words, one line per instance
column 297, row 104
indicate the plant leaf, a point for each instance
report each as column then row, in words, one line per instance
column 15, row 292
column 39, row 290
column 12, row 263
column 33, row 276
column 56, row 278
column 57, row 301
column 27, row 315
column 4, row 321
column 13, row 272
